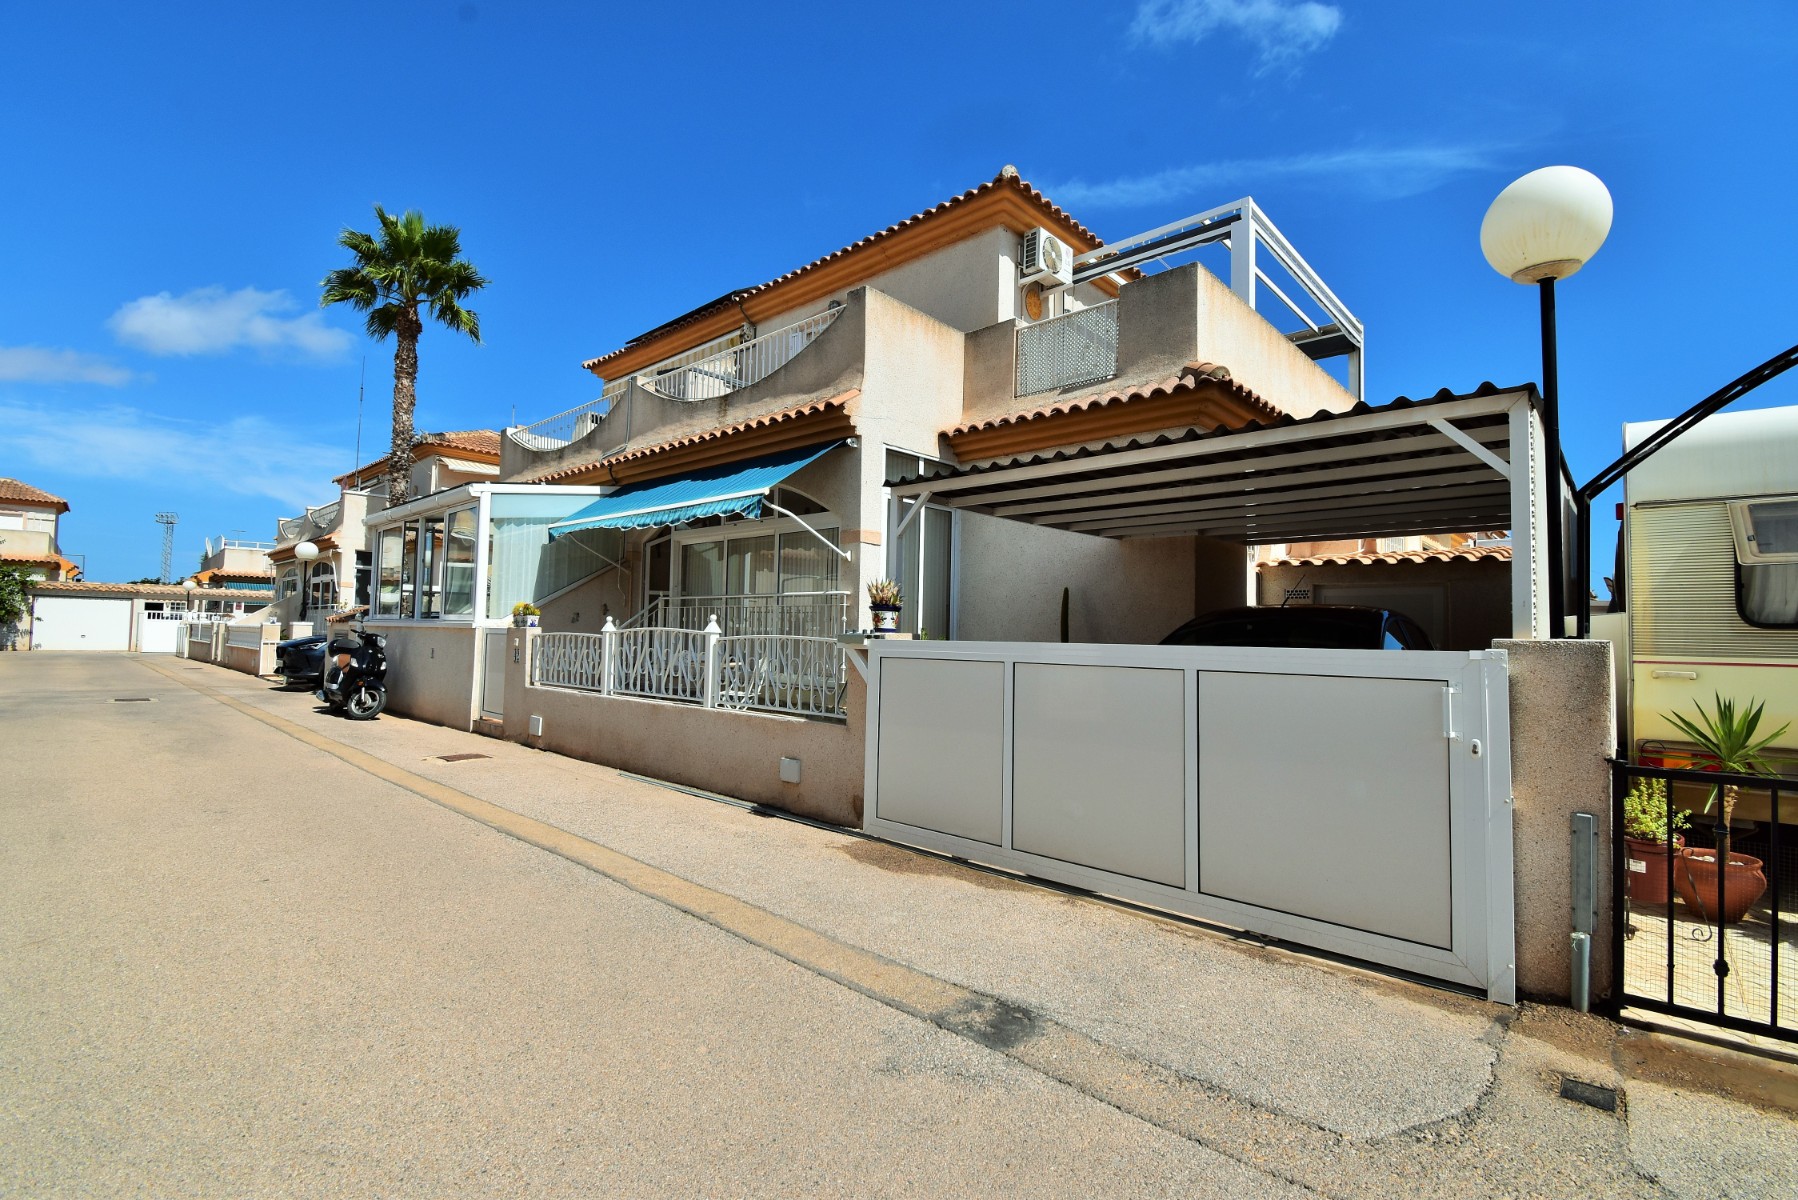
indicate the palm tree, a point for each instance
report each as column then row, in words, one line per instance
column 408, row 266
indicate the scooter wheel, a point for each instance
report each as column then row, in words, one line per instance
column 365, row 703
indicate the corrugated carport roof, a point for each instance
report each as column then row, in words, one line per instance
column 1408, row 467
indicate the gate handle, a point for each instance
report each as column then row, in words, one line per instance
column 1448, row 715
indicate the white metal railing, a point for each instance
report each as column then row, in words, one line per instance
column 792, row 614
column 804, row 676
column 552, row 433
column 1077, row 347
column 800, row 676
column 663, row 664
column 739, row 366
column 225, row 543
column 244, row 635
column 319, row 518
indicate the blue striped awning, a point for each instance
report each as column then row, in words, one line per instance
column 733, row 489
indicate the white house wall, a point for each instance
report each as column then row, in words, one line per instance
column 911, row 391
column 1009, row 578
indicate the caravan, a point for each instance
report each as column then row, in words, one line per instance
column 1710, row 541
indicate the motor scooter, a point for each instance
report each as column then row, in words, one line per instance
column 355, row 680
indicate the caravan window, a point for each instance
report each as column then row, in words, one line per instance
column 1767, row 595
column 1766, row 534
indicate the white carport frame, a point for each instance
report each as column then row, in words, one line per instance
column 1450, row 463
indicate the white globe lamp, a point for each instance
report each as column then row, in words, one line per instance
column 1543, row 227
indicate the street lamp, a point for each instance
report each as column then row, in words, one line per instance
column 306, row 552
column 188, row 585
column 1544, row 227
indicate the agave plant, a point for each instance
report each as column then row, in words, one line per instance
column 884, row 591
column 1729, row 740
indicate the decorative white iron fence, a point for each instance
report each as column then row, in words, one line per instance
column 800, row 676
column 1078, row 347
column 552, row 433
column 663, row 664
column 739, row 366
column 804, row 676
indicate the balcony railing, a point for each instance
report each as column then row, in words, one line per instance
column 798, row 676
column 790, row 614
column 552, row 433
column 1078, row 347
column 320, row 519
column 739, row 366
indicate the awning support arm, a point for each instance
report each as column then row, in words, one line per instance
column 793, row 516
column 1455, row 434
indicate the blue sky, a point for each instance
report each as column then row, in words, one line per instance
column 177, row 176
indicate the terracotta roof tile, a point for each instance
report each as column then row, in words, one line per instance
column 1192, row 375
column 1501, row 553
column 13, row 489
column 484, row 442
column 694, row 439
column 480, row 441
column 153, row 591
column 1006, row 178
column 43, row 560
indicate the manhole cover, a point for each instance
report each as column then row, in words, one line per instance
column 131, row 699
column 460, row 757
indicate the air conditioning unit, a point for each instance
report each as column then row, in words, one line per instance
column 1046, row 258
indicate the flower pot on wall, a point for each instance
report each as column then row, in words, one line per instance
column 1646, row 861
column 1695, row 877
column 886, row 617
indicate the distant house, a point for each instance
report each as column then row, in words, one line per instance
column 339, row 576
column 141, row 617
column 28, row 518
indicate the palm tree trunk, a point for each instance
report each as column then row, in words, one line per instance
column 405, row 400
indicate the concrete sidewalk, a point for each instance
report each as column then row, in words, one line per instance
column 1248, row 1071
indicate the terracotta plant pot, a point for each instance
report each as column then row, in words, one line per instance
column 1646, row 862
column 1695, row 876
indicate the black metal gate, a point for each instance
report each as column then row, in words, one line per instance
column 1690, row 939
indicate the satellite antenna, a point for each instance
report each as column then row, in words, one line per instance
column 167, row 521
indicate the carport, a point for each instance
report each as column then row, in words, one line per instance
column 1355, row 801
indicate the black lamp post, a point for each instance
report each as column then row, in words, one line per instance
column 1544, row 227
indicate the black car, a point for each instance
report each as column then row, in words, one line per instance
column 1315, row 626
column 301, row 661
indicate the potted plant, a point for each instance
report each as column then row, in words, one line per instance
column 526, row 614
column 883, row 605
column 1728, row 741
column 1647, row 817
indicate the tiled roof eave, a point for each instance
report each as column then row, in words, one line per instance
column 630, row 465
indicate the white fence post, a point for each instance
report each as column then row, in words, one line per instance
column 712, row 665
column 608, row 656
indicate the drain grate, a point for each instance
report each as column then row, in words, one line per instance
column 132, row 699
column 458, row 757
column 1588, row 1093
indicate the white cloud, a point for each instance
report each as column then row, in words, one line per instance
column 1378, row 173
column 239, row 455
column 1281, row 31
column 40, row 364
column 210, row 320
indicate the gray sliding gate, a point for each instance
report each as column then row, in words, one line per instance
column 1354, row 801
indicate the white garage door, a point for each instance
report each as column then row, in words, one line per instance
column 80, row 623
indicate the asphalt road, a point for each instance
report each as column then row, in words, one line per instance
column 248, row 949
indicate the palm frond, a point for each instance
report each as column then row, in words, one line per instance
column 1727, row 737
